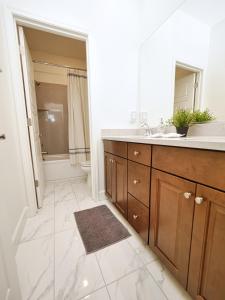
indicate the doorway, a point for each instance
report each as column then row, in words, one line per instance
column 186, row 88
column 57, row 106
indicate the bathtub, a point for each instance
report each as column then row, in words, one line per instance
column 57, row 166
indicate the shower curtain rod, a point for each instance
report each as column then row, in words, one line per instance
column 56, row 65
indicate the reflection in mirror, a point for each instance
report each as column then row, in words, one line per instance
column 193, row 36
column 186, row 88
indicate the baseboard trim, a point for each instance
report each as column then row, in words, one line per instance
column 19, row 227
column 101, row 195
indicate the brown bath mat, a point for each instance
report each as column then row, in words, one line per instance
column 99, row 228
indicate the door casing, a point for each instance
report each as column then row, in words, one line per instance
column 12, row 19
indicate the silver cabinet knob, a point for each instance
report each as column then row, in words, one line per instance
column 136, row 153
column 135, row 217
column 187, row 195
column 199, row 200
column 135, row 181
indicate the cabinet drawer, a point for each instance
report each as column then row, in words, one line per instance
column 139, row 181
column 117, row 148
column 202, row 166
column 140, row 153
column 138, row 217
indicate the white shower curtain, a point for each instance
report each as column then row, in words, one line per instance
column 78, row 119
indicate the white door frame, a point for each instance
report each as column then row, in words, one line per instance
column 199, row 74
column 12, row 18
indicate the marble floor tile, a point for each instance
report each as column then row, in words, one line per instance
column 78, row 180
column 76, row 274
column 40, row 225
column 49, row 187
column 49, row 194
column 64, row 215
column 88, row 202
column 35, row 267
column 169, row 285
column 118, row 260
column 138, row 285
column 101, row 294
column 81, row 190
column 63, row 191
column 142, row 249
column 52, row 263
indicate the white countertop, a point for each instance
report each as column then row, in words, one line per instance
column 199, row 142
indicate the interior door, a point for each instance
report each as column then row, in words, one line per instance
column 32, row 115
column 185, row 92
column 172, row 207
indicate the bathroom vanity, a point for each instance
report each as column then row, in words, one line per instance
column 173, row 194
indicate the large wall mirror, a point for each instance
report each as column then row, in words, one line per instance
column 183, row 62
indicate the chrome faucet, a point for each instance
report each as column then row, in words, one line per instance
column 147, row 128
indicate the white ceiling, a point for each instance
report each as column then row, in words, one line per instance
column 207, row 11
column 55, row 44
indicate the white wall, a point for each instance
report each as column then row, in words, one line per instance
column 154, row 13
column 181, row 38
column 215, row 87
column 113, row 55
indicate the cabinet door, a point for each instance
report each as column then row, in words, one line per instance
column 119, row 191
column 108, row 175
column 207, row 260
column 171, row 215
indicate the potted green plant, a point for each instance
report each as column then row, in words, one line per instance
column 182, row 119
column 202, row 116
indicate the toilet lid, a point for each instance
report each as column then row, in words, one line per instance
column 86, row 163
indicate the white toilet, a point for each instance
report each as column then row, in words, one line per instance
column 86, row 167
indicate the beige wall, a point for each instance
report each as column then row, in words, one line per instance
column 52, row 100
column 61, row 60
column 52, row 74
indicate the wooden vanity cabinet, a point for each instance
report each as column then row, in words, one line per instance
column 172, row 207
column 207, row 257
column 109, row 182
column 182, row 192
column 120, row 187
column 138, row 217
column 116, row 174
column 139, row 182
column 116, row 181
